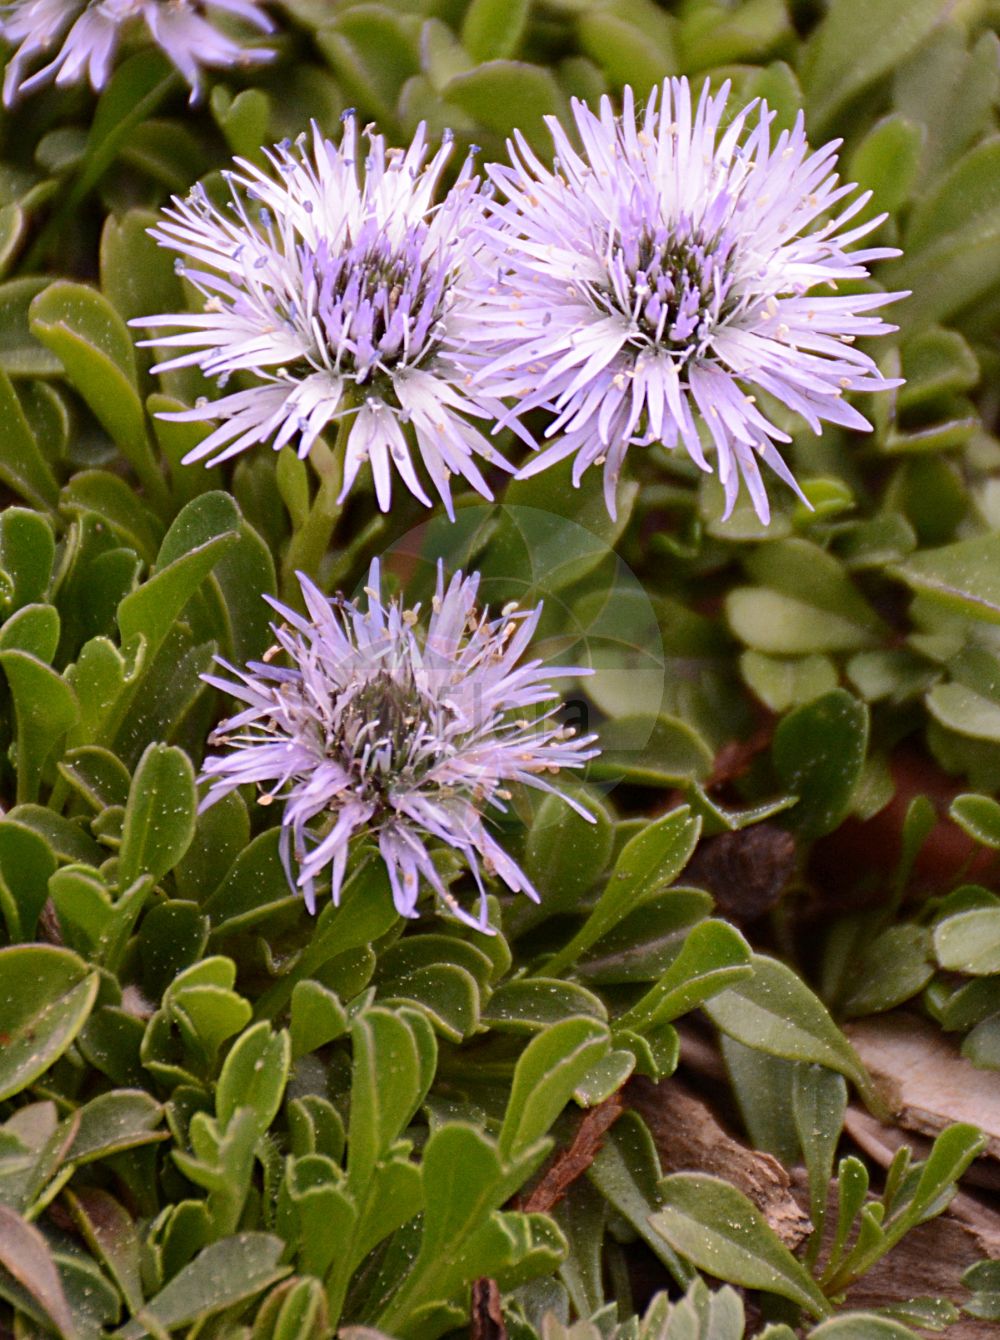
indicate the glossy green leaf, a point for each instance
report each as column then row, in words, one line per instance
column 775, row 1012
column 502, row 94
column 491, row 29
column 222, row 1274
column 565, row 854
column 151, row 610
column 714, row 956
column 26, row 864
column 546, row 1074
column 648, row 862
column 714, row 1226
column 159, row 816
column 26, row 1257
column 979, row 816
column 836, row 69
column 969, row 942
column 384, row 1042
column 45, row 708
column 626, row 1171
column 92, row 342
column 531, row 1004
column 46, row 994
column 254, row 1075
column 819, row 752
column 317, row 1017
column 23, row 466
column 21, row 355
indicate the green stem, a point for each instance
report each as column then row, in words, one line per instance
column 309, row 544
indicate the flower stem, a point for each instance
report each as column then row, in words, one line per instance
column 309, row 544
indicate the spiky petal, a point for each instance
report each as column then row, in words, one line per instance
column 85, row 35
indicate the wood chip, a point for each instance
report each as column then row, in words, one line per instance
column 571, row 1163
column 690, row 1139
column 924, row 1078
column 486, row 1320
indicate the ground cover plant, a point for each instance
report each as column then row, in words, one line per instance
column 500, row 695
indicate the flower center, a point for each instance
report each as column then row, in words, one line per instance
column 379, row 302
column 673, row 284
column 381, row 734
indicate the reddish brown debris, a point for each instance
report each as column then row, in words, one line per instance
column 486, row 1314
column 571, row 1163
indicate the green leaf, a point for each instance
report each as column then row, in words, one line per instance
column 627, row 1173
column 788, row 681
column 26, row 864
column 317, row 1017
column 546, row 1074
column 819, row 754
column 837, row 68
column 963, row 710
column 714, row 1226
column 23, row 467
column 886, row 163
column 953, row 241
column 35, row 629
column 952, row 1152
column 889, row 968
column 45, row 708
column 111, row 1235
column 502, row 94
column 253, row 887
column 373, row 51
column 819, row 1101
column 221, row 1275
column 27, row 552
column 647, row 863
column 100, row 494
column 775, row 1012
column 633, row 43
column 21, row 355
column 778, row 624
column 649, row 750
column 205, row 530
column 862, row 1326
column 969, row 942
column 564, row 854
column 159, row 816
column 46, row 994
column 25, row 1256
column 92, row 342
column 122, row 1119
column 532, row 1004
column 254, row 1076
column 385, row 1042
column 714, row 956
column 979, row 816
column 492, row 29
column 964, row 577
column 446, row 992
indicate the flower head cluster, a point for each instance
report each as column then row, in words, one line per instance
column 85, row 35
column 332, row 281
column 368, row 725
column 664, row 277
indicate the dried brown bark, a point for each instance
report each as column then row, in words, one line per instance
column 689, row 1139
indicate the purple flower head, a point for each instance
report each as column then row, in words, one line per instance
column 86, row 34
column 368, row 725
column 663, row 277
column 333, row 281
